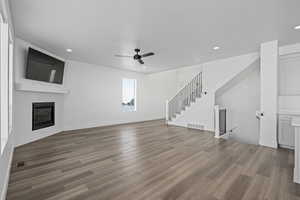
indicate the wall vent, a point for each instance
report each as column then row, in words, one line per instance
column 20, row 164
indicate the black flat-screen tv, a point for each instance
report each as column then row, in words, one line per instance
column 42, row 67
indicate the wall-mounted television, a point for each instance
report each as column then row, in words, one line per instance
column 42, row 67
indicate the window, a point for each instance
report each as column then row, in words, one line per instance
column 129, row 94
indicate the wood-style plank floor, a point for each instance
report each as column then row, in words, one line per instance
column 149, row 161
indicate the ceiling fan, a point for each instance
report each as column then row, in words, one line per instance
column 137, row 56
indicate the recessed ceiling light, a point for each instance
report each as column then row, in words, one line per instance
column 69, row 50
column 297, row 27
column 216, row 48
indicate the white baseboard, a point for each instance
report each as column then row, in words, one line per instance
column 286, row 146
column 6, row 179
column 36, row 136
column 109, row 124
column 270, row 144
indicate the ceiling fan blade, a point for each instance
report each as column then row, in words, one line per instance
column 123, row 56
column 140, row 61
column 147, row 54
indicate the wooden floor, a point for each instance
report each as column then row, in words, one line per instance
column 149, row 161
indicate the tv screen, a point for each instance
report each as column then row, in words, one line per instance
column 42, row 67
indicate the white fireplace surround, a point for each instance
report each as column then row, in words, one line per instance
column 27, row 91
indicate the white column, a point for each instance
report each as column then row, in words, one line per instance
column 217, row 122
column 296, row 124
column 4, row 84
column 269, row 95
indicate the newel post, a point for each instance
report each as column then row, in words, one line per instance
column 167, row 111
column 217, row 123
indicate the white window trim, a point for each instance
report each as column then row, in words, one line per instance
column 135, row 96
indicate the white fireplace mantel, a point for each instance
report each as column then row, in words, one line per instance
column 40, row 88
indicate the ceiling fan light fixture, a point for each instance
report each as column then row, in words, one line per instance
column 297, row 27
column 216, row 48
column 138, row 57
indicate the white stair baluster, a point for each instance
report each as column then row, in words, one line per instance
column 188, row 94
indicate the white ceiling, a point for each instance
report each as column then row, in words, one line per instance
column 180, row 32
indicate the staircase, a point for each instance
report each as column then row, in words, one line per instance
column 185, row 97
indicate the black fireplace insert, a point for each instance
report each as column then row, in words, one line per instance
column 43, row 115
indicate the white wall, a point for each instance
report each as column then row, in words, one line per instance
column 218, row 73
column 289, row 103
column 23, row 133
column 186, row 74
column 289, row 83
column 96, row 94
column 289, row 71
column 215, row 75
column 159, row 88
column 22, row 110
column 94, row 98
column 241, row 100
column 200, row 113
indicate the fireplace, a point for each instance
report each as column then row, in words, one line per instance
column 43, row 115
